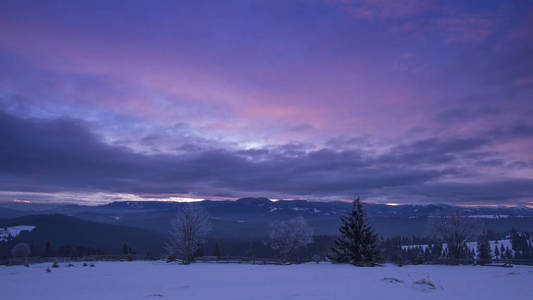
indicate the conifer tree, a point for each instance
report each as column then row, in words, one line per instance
column 483, row 250
column 357, row 242
column 47, row 249
column 217, row 250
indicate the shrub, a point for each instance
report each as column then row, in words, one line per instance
column 316, row 258
column 84, row 264
column 55, row 265
column 48, row 270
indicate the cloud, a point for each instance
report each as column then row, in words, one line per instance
column 387, row 9
column 64, row 155
column 426, row 16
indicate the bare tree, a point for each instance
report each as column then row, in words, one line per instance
column 288, row 236
column 21, row 250
column 455, row 231
column 187, row 232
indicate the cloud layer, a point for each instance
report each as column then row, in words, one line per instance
column 63, row 155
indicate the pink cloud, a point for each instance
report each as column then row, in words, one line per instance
column 465, row 27
column 387, row 9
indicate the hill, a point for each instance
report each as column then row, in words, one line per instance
column 64, row 230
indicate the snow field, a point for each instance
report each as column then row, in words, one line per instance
column 159, row 280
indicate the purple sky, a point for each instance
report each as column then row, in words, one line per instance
column 411, row 101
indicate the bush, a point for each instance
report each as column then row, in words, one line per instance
column 55, row 265
column 48, row 270
column 84, row 264
column 316, row 258
column 27, row 265
column 91, row 265
column 70, row 265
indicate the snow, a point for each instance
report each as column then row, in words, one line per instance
column 470, row 245
column 406, row 247
column 159, row 280
column 489, row 216
column 13, row 231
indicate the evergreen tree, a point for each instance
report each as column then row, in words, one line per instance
column 483, row 250
column 199, row 251
column 357, row 243
column 250, row 250
column 125, row 249
column 508, row 253
column 217, row 250
column 47, row 250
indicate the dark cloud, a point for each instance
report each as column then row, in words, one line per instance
column 498, row 192
column 433, row 151
column 462, row 114
column 516, row 131
column 64, row 155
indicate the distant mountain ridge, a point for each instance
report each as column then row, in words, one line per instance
column 61, row 230
column 248, row 218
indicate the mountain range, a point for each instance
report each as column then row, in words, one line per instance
column 144, row 224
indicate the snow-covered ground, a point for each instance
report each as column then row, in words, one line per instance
column 7, row 232
column 159, row 280
column 472, row 246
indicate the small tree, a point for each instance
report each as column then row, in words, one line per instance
column 187, row 232
column 288, row 236
column 357, row 242
column 21, row 250
column 484, row 254
column 455, row 231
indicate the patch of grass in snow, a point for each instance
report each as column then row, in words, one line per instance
column 513, row 273
column 426, row 282
column 393, row 280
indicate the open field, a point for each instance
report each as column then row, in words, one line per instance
column 159, row 280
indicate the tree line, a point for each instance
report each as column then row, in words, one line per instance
column 293, row 240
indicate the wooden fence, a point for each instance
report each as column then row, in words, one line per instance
column 233, row 260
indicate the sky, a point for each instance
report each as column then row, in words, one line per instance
column 408, row 101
